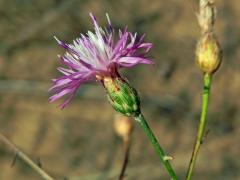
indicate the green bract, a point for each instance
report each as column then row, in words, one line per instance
column 122, row 96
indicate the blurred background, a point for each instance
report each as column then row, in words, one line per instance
column 78, row 143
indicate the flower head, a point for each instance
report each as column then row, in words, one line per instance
column 208, row 53
column 97, row 55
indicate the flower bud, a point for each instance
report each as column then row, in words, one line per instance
column 122, row 96
column 123, row 126
column 208, row 53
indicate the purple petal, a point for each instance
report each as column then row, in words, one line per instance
column 60, row 94
column 109, row 23
column 71, row 50
column 94, row 19
column 69, row 80
column 66, row 61
column 61, row 43
column 60, row 82
column 147, row 46
column 66, row 102
column 65, row 71
column 132, row 61
column 121, row 43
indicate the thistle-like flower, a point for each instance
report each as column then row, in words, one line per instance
column 97, row 56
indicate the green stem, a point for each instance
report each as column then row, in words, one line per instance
column 202, row 124
column 164, row 158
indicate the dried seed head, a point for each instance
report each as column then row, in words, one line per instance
column 123, row 126
column 122, row 96
column 207, row 15
column 208, row 53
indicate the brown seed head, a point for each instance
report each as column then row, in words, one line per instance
column 123, row 126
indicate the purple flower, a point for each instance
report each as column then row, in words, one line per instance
column 97, row 55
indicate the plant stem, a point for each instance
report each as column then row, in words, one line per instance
column 25, row 158
column 127, row 145
column 164, row 158
column 202, row 124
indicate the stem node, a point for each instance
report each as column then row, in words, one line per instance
column 164, row 158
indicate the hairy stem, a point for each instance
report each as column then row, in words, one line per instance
column 202, row 125
column 25, row 158
column 164, row 158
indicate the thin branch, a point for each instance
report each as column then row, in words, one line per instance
column 127, row 144
column 25, row 158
